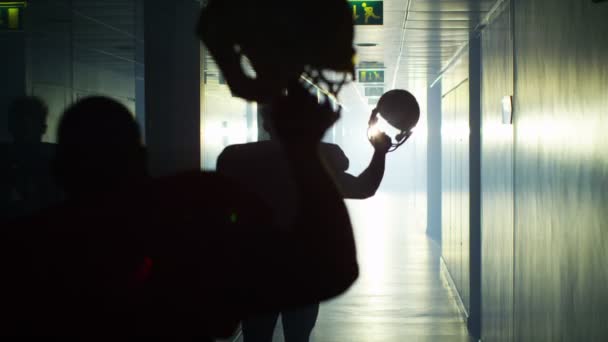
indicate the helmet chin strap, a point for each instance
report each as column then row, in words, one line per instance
column 401, row 139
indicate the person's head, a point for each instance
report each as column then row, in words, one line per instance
column 282, row 41
column 99, row 147
column 27, row 119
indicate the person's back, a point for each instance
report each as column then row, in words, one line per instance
column 263, row 168
column 160, row 257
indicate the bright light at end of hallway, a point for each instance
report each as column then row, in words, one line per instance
column 373, row 244
column 224, row 133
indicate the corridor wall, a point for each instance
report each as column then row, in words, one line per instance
column 497, row 178
column 455, row 175
column 561, row 170
column 78, row 48
column 545, row 179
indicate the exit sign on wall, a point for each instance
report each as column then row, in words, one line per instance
column 367, row 12
column 370, row 76
column 11, row 16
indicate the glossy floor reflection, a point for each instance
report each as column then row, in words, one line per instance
column 400, row 295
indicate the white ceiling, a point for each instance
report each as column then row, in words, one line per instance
column 420, row 36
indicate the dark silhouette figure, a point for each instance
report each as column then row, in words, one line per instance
column 99, row 148
column 263, row 168
column 26, row 183
column 167, row 256
column 282, row 45
column 191, row 254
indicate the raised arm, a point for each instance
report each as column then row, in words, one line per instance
column 368, row 182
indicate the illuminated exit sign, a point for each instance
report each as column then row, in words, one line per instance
column 11, row 16
column 367, row 12
column 370, row 76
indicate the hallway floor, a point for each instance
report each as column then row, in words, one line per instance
column 400, row 295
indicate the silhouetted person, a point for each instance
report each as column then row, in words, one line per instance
column 262, row 167
column 167, row 257
column 26, row 183
column 281, row 45
column 99, row 149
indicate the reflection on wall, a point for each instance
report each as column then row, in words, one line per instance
column 75, row 49
column 497, row 180
column 455, row 134
column 225, row 119
column 561, row 168
column 544, row 178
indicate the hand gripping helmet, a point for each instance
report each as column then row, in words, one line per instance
column 400, row 109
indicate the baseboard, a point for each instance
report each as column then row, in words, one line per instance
column 447, row 277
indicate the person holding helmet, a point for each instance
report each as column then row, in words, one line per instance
column 262, row 167
column 288, row 43
column 282, row 44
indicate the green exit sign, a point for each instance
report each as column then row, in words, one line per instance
column 367, row 12
column 11, row 16
column 370, row 76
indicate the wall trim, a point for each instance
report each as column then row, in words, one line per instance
column 447, row 277
column 455, row 87
column 474, row 33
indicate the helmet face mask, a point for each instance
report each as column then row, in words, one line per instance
column 281, row 41
column 331, row 81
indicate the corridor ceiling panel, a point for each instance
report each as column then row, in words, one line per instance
column 419, row 37
column 103, row 33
